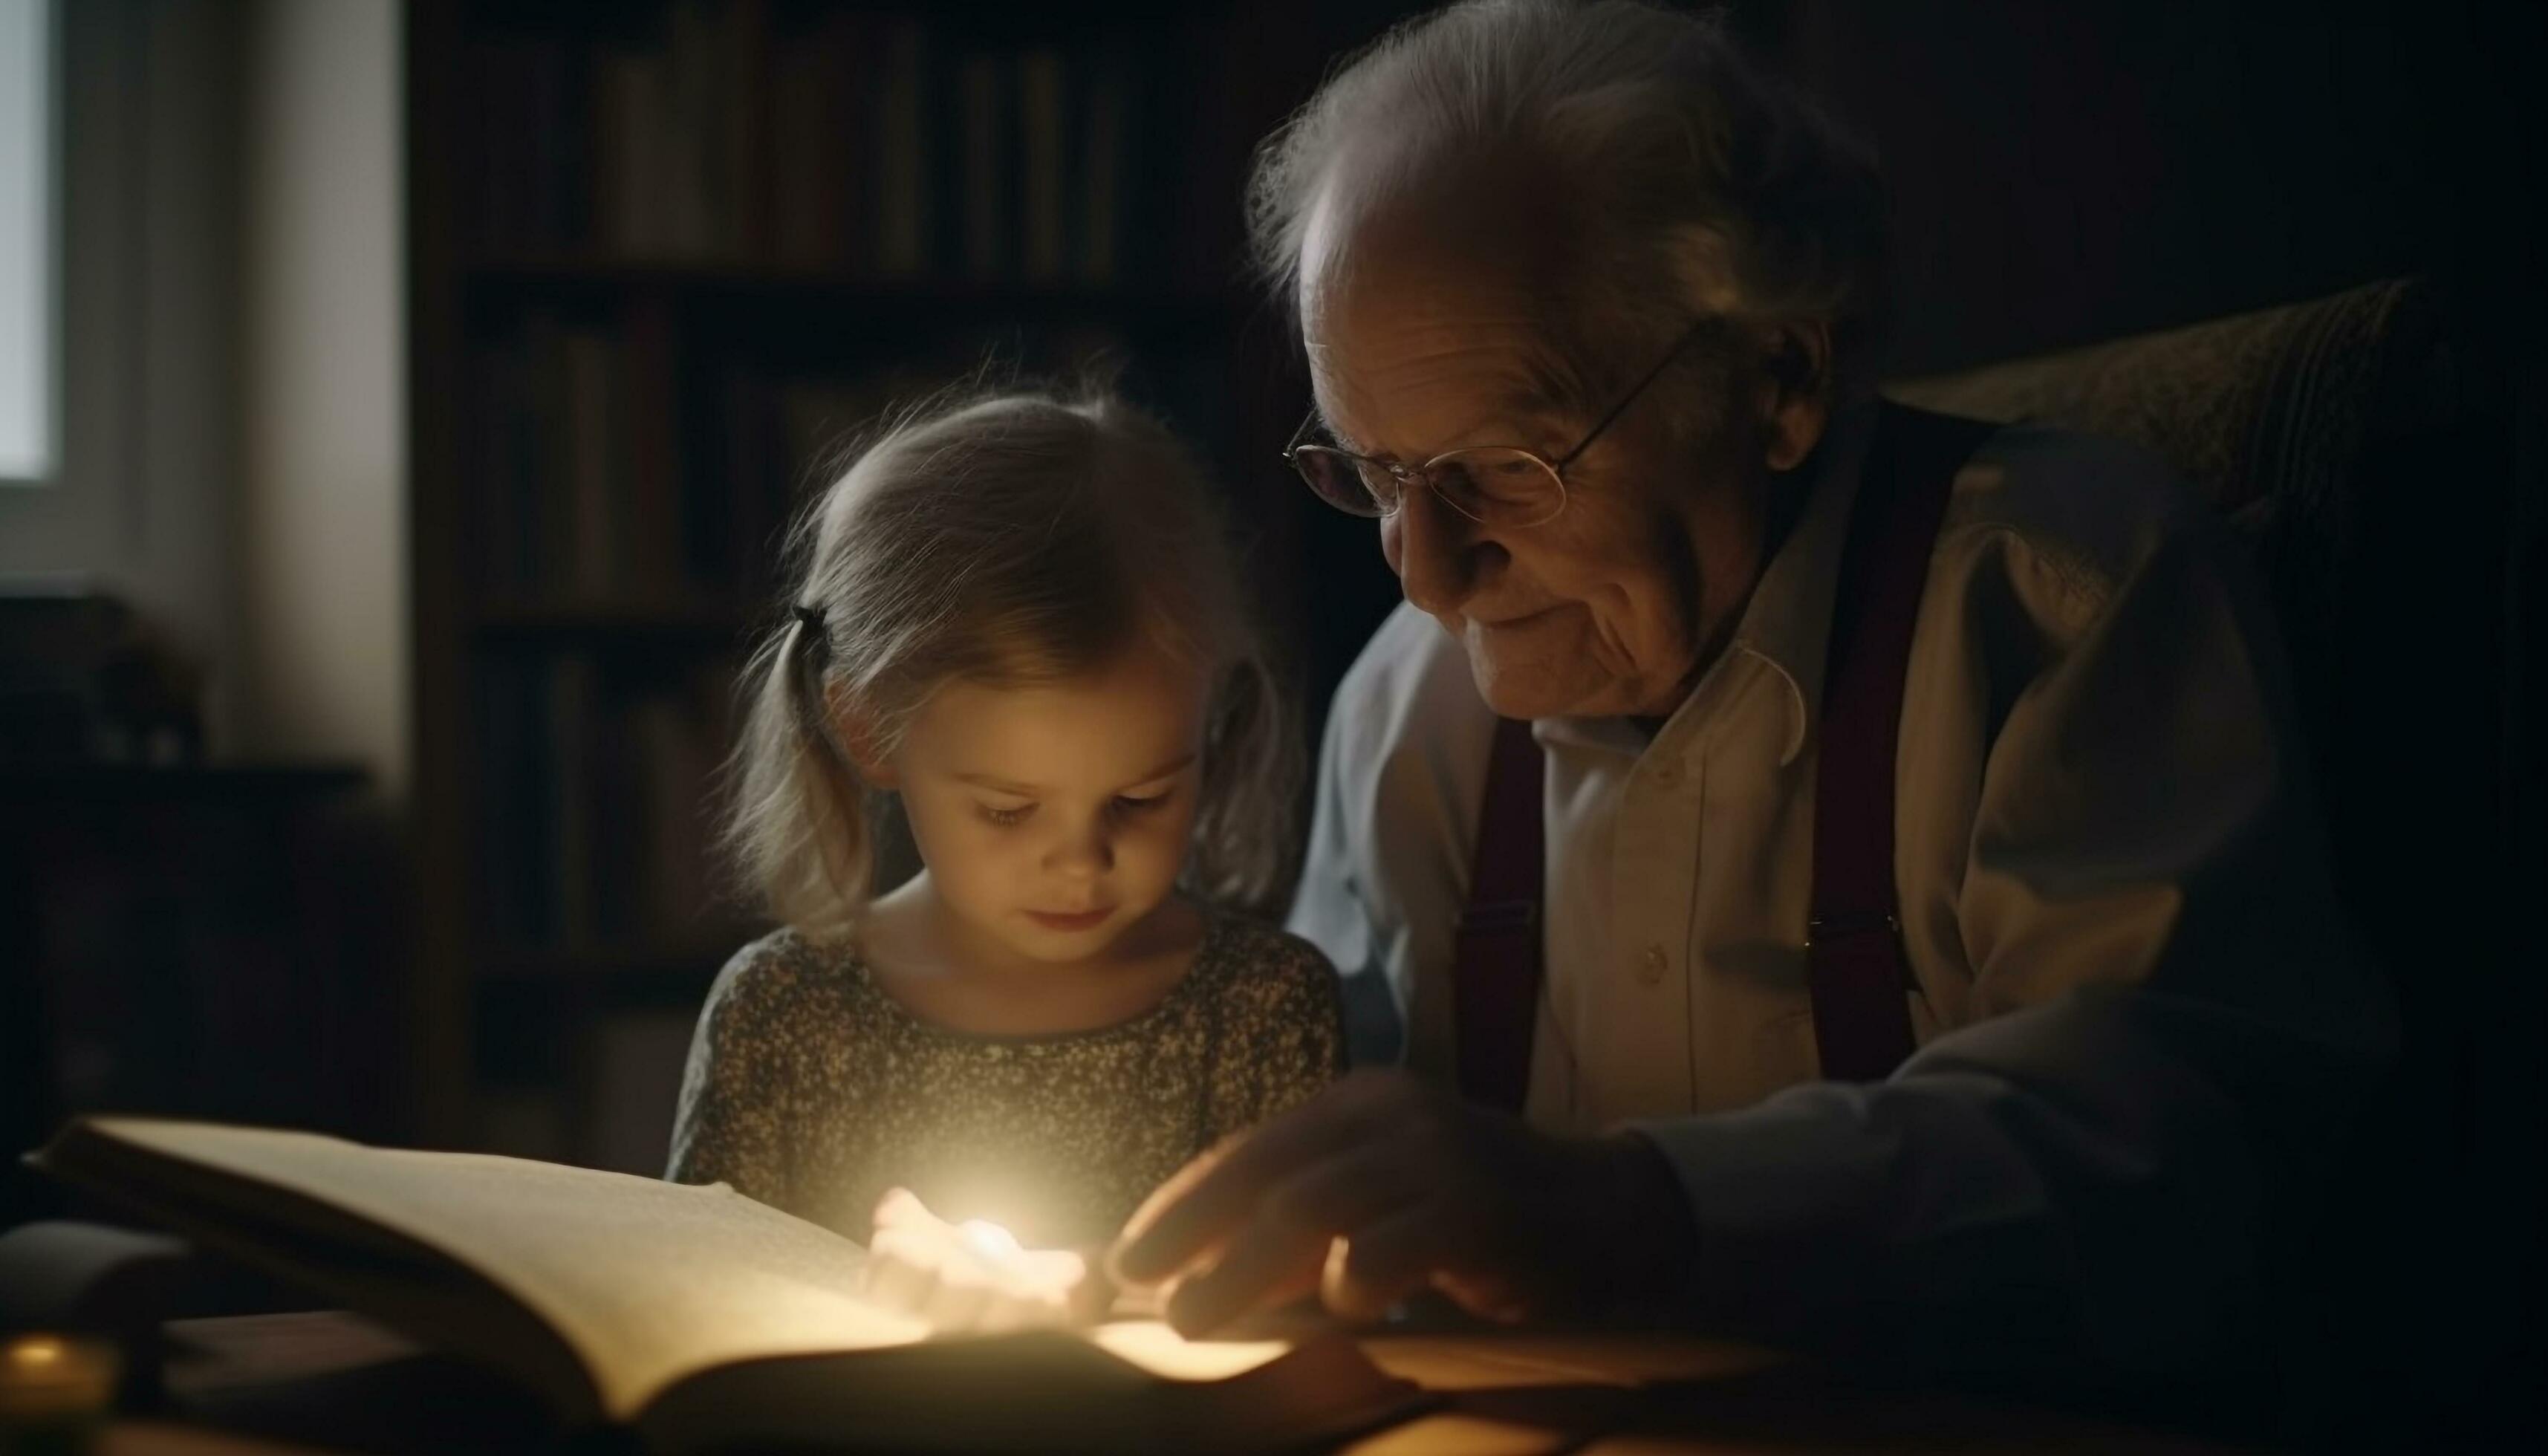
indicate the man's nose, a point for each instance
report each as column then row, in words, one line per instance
column 1433, row 548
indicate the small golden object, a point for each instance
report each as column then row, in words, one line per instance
column 54, row 1392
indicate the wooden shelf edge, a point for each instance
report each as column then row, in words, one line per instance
column 933, row 290
column 535, row 616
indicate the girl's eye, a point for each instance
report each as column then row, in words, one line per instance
column 1125, row 804
column 1006, row 818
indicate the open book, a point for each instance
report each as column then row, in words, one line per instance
column 694, row 1317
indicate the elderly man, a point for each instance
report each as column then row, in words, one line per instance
column 1841, row 873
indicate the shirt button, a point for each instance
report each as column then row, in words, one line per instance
column 1650, row 966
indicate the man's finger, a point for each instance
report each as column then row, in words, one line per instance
column 1199, row 1315
column 1207, row 1198
column 1386, row 1261
column 1285, row 1241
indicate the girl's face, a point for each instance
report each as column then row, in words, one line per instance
column 1054, row 818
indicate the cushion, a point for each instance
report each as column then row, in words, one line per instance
column 2275, row 415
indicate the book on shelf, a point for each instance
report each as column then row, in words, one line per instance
column 822, row 93
column 858, row 144
column 981, row 98
column 786, row 436
column 512, row 861
column 527, row 160
column 596, row 461
column 675, row 135
column 904, row 163
column 1042, row 125
column 596, row 824
column 579, row 495
column 694, row 1317
column 1105, row 143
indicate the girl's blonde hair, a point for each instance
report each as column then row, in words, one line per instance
column 1014, row 539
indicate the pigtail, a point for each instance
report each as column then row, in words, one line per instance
column 796, row 824
column 1247, row 821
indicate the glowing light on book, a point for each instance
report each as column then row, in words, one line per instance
column 990, row 1243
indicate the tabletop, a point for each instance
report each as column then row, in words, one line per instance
column 326, row 1384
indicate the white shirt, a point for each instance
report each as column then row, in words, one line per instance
column 2135, row 1000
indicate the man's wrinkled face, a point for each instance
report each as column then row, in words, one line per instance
column 1613, row 607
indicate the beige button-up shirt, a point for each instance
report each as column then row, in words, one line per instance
column 2135, row 1000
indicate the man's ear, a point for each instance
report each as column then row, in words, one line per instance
column 855, row 730
column 1794, row 389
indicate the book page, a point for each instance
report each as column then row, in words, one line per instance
column 648, row 1281
column 1152, row 1345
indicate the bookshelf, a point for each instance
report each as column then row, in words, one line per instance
column 664, row 257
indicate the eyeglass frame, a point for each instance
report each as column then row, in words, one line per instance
column 1400, row 472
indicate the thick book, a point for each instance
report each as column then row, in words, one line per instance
column 695, row 1318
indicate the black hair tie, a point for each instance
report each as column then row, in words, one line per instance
column 810, row 616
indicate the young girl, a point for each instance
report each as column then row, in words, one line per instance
column 1019, row 617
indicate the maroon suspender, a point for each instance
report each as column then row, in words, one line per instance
column 1496, row 949
column 1854, row 959
column 1856, row 969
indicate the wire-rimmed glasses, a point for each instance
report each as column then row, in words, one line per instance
column 1502, row 485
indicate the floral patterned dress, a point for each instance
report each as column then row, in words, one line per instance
column 812, row 1090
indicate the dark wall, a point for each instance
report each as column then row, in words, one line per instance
column 2069, row 172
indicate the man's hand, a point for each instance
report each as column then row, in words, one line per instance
column 971, row 1278
column 1380, row 1186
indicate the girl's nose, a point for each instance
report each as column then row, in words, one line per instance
column 1088, row 850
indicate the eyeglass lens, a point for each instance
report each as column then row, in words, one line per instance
column 1492, row 484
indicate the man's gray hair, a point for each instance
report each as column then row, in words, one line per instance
column 1703, row 183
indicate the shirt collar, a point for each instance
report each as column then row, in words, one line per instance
column 1787, row 622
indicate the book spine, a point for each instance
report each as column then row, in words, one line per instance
column 1105, row 142
column 503, row 489
column 649, row 434
column 510, row 857
column 589, row 446
column 673, row 736
column 548, row 442
column 547, row 151
column 902, row 163
column 687, row 124
column 629, row 101
column 977, row 89
column 493, row 189
column 743, row 131
column 1041, row 136
column 733, row 544
column 570, row 693
column 816, row 138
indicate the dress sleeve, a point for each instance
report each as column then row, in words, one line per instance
column 2167, row 1026
column 729, row 1124
column 1287, row 1038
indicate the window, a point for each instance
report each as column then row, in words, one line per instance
column 29, row 223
